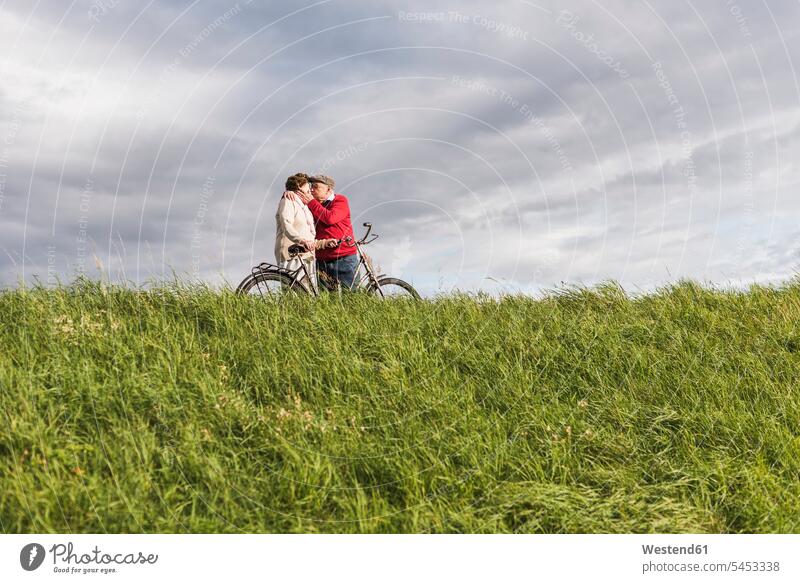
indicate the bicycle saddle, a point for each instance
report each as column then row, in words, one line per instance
column 296, row 250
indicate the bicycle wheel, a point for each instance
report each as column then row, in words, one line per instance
column 392, row 288
column 269, row 284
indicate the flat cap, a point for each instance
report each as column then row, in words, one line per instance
column 323, row 179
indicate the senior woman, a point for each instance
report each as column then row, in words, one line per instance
column 295, row 226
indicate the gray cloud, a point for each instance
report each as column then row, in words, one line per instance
column 521, row 143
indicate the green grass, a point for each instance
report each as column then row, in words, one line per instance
column 184, row 409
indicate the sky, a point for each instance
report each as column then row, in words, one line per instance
column 498, row 147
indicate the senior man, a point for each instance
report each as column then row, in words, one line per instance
column 331, row 212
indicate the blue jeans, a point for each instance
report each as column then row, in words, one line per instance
column 342, row 269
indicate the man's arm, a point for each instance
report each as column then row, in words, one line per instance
column 326, row 243
column 336, row 213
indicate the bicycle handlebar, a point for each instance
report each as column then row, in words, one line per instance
column 349, row 240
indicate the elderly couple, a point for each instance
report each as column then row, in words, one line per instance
column 312, row 215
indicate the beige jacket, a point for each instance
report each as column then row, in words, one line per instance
column 294, row 224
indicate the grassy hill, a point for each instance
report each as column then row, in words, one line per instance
column 182, row 409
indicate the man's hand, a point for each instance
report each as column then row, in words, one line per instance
column 306, row 198
column 297, row 195
column 327, row 243
column 310, row 244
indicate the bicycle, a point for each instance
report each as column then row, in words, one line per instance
column 268, row 280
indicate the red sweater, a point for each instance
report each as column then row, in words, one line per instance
column 332, row 220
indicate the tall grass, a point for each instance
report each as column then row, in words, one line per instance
column 182, row 409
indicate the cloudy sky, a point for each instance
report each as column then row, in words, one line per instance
column 495, row 146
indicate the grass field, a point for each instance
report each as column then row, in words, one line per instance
column 183, row 409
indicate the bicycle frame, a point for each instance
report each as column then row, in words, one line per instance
column 369, row 272
column 364, row 268
column 368, row 277
column 292, row 274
